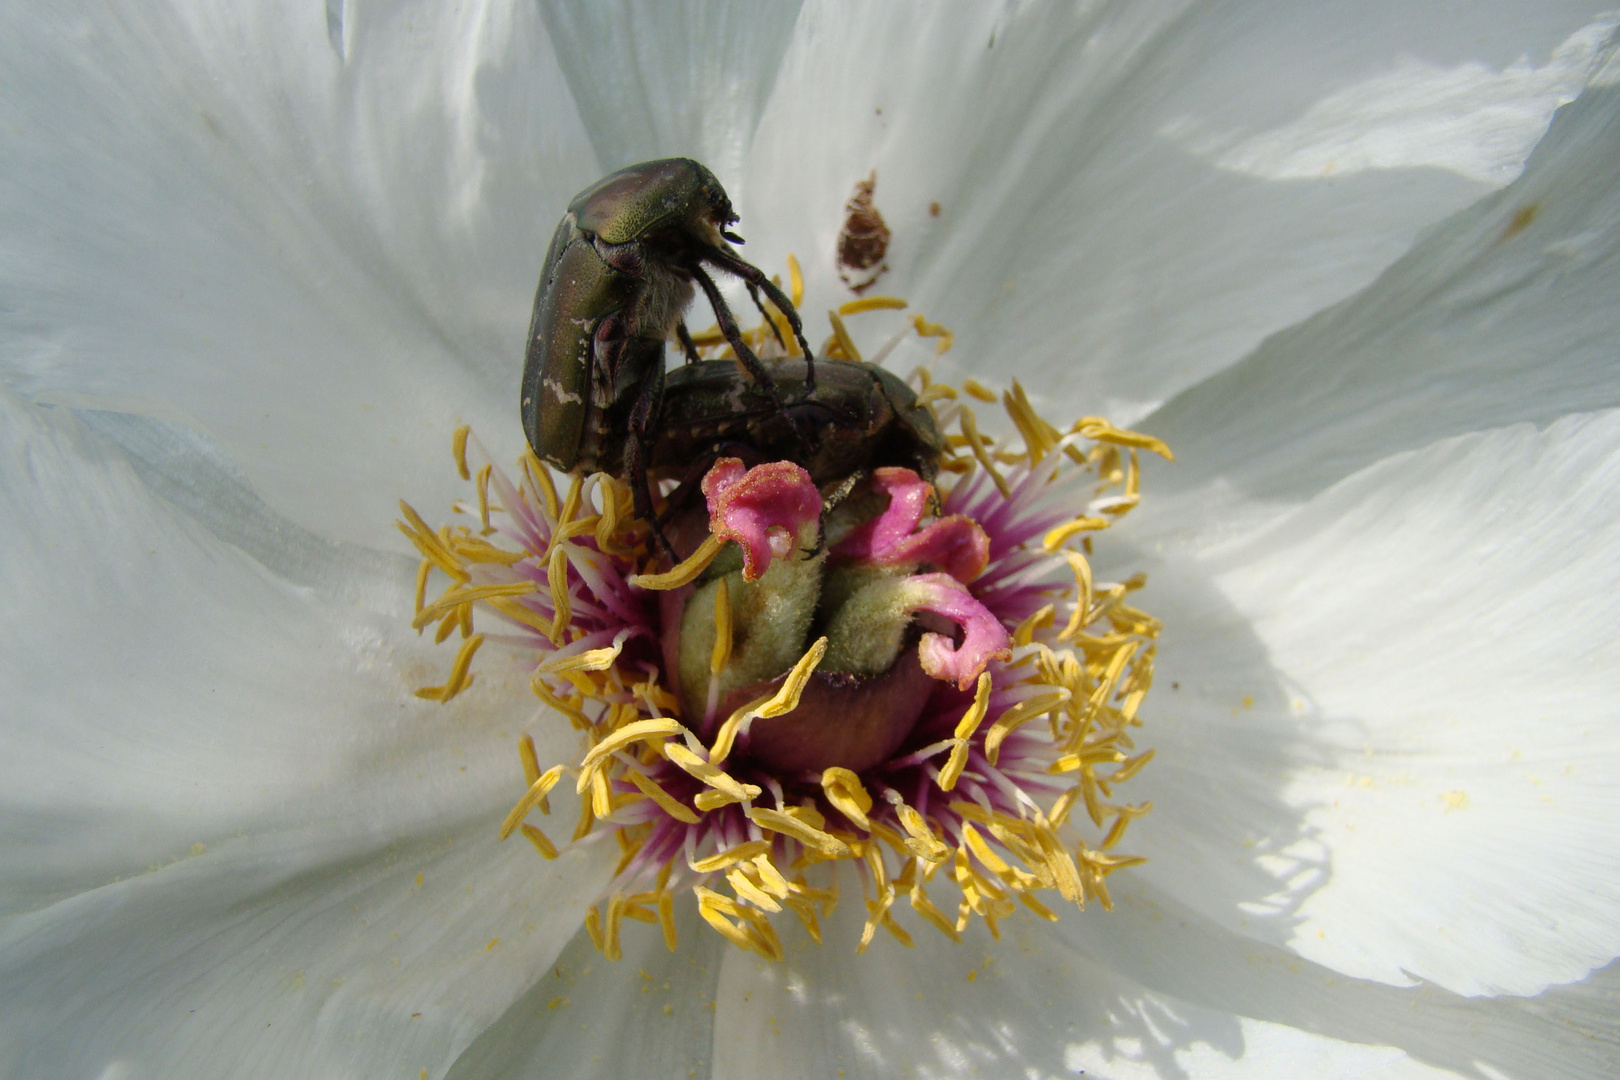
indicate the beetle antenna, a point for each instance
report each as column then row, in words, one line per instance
column 752, row 274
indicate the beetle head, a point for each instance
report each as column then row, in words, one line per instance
column 672, row 195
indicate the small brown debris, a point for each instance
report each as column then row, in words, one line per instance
column 864, row 239
column 933, row 209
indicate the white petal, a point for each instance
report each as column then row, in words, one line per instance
column 249, row 961
column 314, row 236
column 1082, row 243
column 1146, row 991
column 1503, row 313
column 1395, row 704
column 219, row 792
column 675, row 80
column 650, row 1013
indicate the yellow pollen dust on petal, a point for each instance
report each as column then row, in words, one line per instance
column 459, row 679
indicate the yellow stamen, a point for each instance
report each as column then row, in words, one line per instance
column 753, row 849
column 714, row 777
column 785, row 700
column 458, row 447
column 521, row 613
column 531, row 760
column 535, row 796
column 977, row 389
column 846, row 344
column 656, row 728
column 1019, row 714
column 687, row 572
column 981, row 451
column 541, row 842
column 557, row 579
column 795, row 281
column 843, row 789
column 788, row 825
column 455, row 597
column 459, row 680
column 721, row 655
column 483, row 495
column 667, row 802
column 871, row 303
column 934, row 330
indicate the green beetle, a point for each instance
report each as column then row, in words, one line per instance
column 620, row 270
column 856, row 417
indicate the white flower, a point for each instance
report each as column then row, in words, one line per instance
column 259, row 262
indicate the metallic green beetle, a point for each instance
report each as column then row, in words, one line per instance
column 856, row 417
column 619, row 273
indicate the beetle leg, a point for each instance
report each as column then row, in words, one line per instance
column 753, row 275
column 643, row 419
column 776, row 331
column 687, row 344
column 745, row 355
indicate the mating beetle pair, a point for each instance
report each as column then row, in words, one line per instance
column 595, row 395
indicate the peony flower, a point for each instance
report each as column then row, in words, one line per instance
column 1356, row 267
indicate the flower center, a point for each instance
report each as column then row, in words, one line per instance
column 917, row 678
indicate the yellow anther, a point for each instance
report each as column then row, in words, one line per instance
column 422, row 570
column 977, row 389
column 483, row 495
column 843, row 789
column 753, row 849
column 709, row 774
column 666, row 802
column 1082, row 615
column 846, row 344
column 1019, row 714
column 458, row 447
column 521, row 613
column 1039, row 619
column 534, row 797
column 981, row 451
column 655, row 729
column 785, row 700
column 721, row 655
column 747, row 890
column 531, row 761
column 454, row 598
column 788, row 825
column 871, row 303
column 541, row 842
column 1100, row 430
column 428, row 543
column 557, row 579
column 795, row 281
column 934, row 330
column 459, row 680
column 610, row 933
column 666, row 918
column 687, row 572
column 542, row 480
column 1056, row 537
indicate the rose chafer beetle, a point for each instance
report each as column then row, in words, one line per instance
column 855, row 417
column 620, row 270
